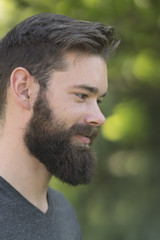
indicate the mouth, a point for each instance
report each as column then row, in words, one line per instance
column 83, row 139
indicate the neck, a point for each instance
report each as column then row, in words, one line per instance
column 24, row 172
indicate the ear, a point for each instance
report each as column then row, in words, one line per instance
column 21, row 84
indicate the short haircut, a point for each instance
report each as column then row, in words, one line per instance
column 39, row 43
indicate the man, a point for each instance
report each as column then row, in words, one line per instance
column 52, row 77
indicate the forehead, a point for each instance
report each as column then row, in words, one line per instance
column 82, row 70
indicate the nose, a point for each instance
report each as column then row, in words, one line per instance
column 94, row 117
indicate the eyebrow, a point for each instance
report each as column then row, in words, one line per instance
column 94, row 90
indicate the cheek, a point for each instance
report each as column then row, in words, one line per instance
column 70, row 114
column 66, row 109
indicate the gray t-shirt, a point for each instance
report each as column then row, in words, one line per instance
column 19, row 219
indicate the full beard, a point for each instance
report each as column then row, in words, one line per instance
column 48, row 141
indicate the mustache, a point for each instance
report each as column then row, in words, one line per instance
column 86, row 130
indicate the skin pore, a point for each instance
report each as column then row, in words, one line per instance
column 72, row 96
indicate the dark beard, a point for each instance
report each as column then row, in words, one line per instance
column 52, row 145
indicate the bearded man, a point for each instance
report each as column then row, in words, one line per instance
column 52, row 77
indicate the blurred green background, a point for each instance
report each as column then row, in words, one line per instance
column 123, row 201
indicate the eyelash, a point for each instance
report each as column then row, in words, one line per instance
column 83, row 97
column 99, row 101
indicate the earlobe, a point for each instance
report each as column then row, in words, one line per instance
column 21, row 82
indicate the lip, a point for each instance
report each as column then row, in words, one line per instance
column 83, row 139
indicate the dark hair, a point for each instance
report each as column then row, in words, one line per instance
column 40, row 42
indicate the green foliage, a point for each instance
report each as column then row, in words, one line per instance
column 123, row 201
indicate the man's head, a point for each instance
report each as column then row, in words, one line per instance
column 66, row 59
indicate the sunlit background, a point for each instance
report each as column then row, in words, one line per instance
column 123, row 202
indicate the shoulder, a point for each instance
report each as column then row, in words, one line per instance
column 56, row 194
column 58, row 200
column 64, row 213
column 61, row 206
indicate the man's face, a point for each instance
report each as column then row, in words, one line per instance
column 66, row 117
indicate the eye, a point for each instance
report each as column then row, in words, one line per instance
column 82, row 96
